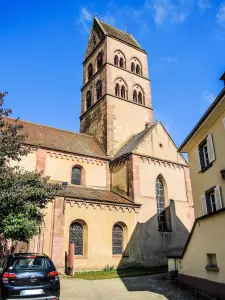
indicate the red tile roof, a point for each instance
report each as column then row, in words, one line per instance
column 85, row 193
column 61, row 140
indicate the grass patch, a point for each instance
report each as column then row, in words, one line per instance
column 108, row 274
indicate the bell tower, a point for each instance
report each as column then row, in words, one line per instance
column 116, row 97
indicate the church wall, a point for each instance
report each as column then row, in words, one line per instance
column 155, row 245
column 158, row 144
column 129, row 53
column 119, row 176
column 120, row 121
column 27, row 162
column 95, row 175
column 100, row 221
column 94, row 123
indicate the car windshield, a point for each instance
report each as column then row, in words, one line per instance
column 30, row 262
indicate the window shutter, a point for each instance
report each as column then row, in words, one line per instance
column 199, row 167
column 210, row 147
column 204, row 207
column 218, row 198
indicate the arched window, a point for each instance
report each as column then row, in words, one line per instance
column 132, row 67
column 88, row 100
column 160, row 205
column 116, row 60
column 138, row 69
column 123, row 92
column 76, row 176
column 121, row 62
column 135, row 96
column 90, row 71
column 117, row 90
column 99, row 89
column 99, row 60
column 140, row 98
column 76, row 237
column 117, row 239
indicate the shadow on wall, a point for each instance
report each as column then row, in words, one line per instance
column 153, row 246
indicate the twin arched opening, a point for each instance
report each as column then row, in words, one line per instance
column 121, row 89
column 138, row 95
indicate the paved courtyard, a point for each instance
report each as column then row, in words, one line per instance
column 135, row 288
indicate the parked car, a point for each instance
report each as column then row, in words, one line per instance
column 28, row 276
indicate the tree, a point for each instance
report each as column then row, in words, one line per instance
column 23, row 194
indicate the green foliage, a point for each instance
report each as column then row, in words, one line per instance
column 23, row 194
column 108, row 268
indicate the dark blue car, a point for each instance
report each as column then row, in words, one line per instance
column 28, row 276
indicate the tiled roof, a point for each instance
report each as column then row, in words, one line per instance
column 94, row 194
column 119, row 34
column 61, row 140
column 132, row 142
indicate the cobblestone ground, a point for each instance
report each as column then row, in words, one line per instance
column 153, row 287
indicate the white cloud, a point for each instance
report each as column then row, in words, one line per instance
column 221, row 15
column 204, row 4
column 169, row 59
column 86, row 14
column 84, row 20
column 207, row 99
column 174, row 11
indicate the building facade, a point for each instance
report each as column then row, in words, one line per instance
column 126, row 196
column 202, row 264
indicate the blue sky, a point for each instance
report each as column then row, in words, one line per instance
column 43, row 43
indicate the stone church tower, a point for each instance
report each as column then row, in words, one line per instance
column 116, row 97
column 126, row 195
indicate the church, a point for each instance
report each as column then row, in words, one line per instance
column 126, row 196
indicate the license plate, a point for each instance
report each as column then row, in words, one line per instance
column 32, row 292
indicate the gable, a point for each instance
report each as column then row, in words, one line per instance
column 157, row 143
column 95, row 37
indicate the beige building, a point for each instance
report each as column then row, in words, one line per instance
column 202, row 264
column 126, row 198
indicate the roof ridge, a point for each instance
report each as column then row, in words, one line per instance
column 51, row 127
column 115, row 27
column 147, row 131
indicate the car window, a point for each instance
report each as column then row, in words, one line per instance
column 37, row 262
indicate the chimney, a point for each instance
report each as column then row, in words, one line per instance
column 147, row 125
column 223, row 78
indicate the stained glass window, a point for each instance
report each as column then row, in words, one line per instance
column 76, row 237
column 117, row 239
column 76, row 176
column 160, row 205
